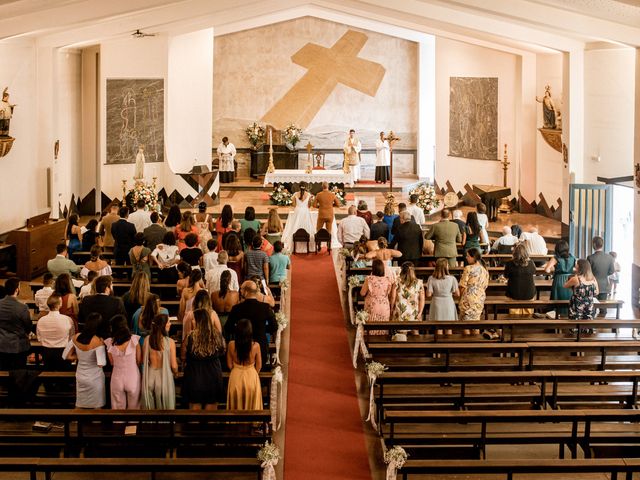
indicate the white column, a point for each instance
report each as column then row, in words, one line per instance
column 636, row 162
column 426, row 108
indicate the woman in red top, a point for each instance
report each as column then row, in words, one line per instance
column 223, row 225
column 187, row 226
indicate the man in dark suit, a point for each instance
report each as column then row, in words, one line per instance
column 123, row 233
column 154, row 233
column 602, row 265
column 104, row 304
column 409, row 239
column 260, row 314
column 15, row 325
column 378, row 228
column 402, row 207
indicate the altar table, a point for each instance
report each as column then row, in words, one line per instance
column 316, row 176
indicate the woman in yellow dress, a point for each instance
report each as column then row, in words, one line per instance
column 473, row 286
column 245, row 361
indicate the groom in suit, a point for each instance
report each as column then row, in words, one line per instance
column 325, row 201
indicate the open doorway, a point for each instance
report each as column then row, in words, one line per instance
column 622, row 241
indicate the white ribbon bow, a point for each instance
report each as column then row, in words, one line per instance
column 392, row 471
column 352, row 313
column 276, row 398
column 269, row 472
column 278, row 341
column 360, row 346
column 372, row 405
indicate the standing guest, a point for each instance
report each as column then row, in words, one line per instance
column 154, row 233
column 247, row 238
column 201, row 301
column 279, row 263
column 538, row 245
column 202, row 382
column 123, row 233
column 223, row 225
column 402, row 207
column 159, row 367
column 614, row 278
column 472, row 233
column 457, row 219
column 441, row 287
column 166, row 256
column 214, row 275
column 125, row 355
column 204, row 225
column 473, row 286
column 376, row 291
column 87, row 349
column 143, row 318
column 137, row 294
column 407, row 296
column 184, row 272
column 189, row 292
column 191, row 253
column 139, row 256
column 363, row 212
column 257, row 261
column 389, row 218
column 483, row 220
column 210, row 259
column 585, row 288
column 351, row 228
column 95, row 263
column 42, row 295
column 446, row 236
column 383, row 157
column 272, row 228
column 54, row 331
column 384, row 253
column 236, row 257
column 562, row 265
column 408, row 239
column 379, row 228
column 102, row 303
column 224, row 298
column 73, row 235
column 249, row 220
column 64, row 289
column 233, row 232
column 226, row 157
column 244, row 360
column 505, row 243
column 141, row 218
column 416, row 210
column 15, row 326
column 325, row 202
column 88, row 288
column 173, row 218
column 105, row 225
column 187, row 226
column 61, row 264
column 260, row 314
column 602, row 265
column 90, row 236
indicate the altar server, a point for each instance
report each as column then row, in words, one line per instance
column 352, row 147
column 382, row 159
column 226, row 157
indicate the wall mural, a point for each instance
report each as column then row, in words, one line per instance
column 473, row 118
column 135, row 117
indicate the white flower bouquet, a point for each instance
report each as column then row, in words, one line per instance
column 396, row 455
column 255, row 134
column 146, row 193
column 362, row 317
column 281, row 196
column 281, row 320
column 339, row 193
column 375, row 369
column 353, row 281
column 269, row 452
column 426, row 197
column 291, row 134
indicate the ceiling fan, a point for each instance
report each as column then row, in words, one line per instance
column 140, row 34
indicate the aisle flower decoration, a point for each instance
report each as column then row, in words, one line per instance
column 359, row 346
column 283, row 323
column 281, row 196
column 291, row 134
column 354, row 281
column 344, row 252
column 146, row 193
column 374, row 370
column 426, row 196
column 269, row 455
column 395, row 458
column 255, row 134
column 275, row 400
column 339, row 193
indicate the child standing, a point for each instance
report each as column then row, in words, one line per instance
column 614, row 278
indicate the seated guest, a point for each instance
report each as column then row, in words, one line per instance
column 137, row 294
column 88, row 287
column 213, row 276
column 210, row 259
column 143, row 318
column 446, row 236
column 244, row 360
column 54, row 331
column 402, row 207
column 64, row 289
column 363, row 212
column 457, row 219
column 123, row 233
column 279, row 263
column 473, row 285
column 249, row 220
column 61, row 264
column 154, row 233
column 159, row 367
column 41, row 296
column 201, row 301
column 236, row 259
column 166, row 256
column 416, row 210
column 15, row 326
column 90, row 236
column 351, row 228
column 73, row 235
column 537, row 243
column 140, row 218
column 516, row 230
column 224, row 299
column 505, row 243
column 223, row 225
column 125, row 355
column 87, row 348
column 173, row 218
column 96, row 263
column 187, row 226
column 192, row 252
column 184, row 272
column 234, row 231
column 389, row 218
column 257, row 260
column 272, row 228
column 103, row 303
column 376, row 291
column 408, row 239
column 585, row 289
column 139, row 256
column 379, row 228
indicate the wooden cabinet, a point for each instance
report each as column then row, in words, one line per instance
column 35, row 246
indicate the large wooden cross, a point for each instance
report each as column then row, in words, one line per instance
column 326, row 68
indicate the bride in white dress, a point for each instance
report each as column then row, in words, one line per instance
column 299, row 218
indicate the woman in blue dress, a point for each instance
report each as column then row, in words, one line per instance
column 389, row 216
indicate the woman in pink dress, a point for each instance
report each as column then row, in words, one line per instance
column 377, row 292
column 125, row 355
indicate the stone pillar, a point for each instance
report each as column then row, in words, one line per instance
column 635, row 272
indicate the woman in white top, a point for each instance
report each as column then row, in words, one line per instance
column 96, row 264
column 483, row 220
column 383, row 156
column 166, row 256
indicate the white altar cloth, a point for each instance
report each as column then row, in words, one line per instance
column 316, row 176
column 287, row 234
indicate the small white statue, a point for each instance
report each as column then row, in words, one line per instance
column 139, row 172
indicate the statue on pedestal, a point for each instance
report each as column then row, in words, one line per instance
column 549, row 111
column 6, row 112
column 139, row 171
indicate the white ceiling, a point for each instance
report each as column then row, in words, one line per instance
column 626, row 12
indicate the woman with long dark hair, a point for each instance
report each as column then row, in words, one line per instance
column 125, row 355
column 585, row 289
column 245, row 361
column 223, row 224
column 143, row 318
column 472, row 232
column 224, row 299
column 173, row 218
column 249, row 220
column 189, row 292
column 562, row 265
column 90, row 236
column 236, row 256
column 73, row 235
column 159, row 366
column 201, row 301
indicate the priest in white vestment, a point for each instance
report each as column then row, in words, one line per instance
column 226, row 157
column 383, row 157
column 352, row 147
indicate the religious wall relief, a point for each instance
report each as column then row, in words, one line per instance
column 135, row 117
column 473, row 118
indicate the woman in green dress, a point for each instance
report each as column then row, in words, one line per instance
column 472, row 232
column 562, row 265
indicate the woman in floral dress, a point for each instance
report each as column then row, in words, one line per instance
column 473, row 285
column 407, row 297
column 376, row 292
column 585, row 288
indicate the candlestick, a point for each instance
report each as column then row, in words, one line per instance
column 271, row 167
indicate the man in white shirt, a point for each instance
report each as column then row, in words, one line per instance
column 210, row 259
column 54, row 331
column 140, row 218
column 352, row 147
column 226, row 156
column 351, row 228
column 415, row 210
column 212, row 277
column 505, row 242
column 42, row 295
column 537, row 243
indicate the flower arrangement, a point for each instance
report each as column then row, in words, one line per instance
column 255, row 134
column 291, row 134
column 426, row 196
column 269, row 453
column 375, row 369
column 281, row 320
column 353, row 281
column 339, row 193
column 284, row 284
column 362, row 316
column 146, row 193
column 280, row 196
column 396, row 455
column 345, row 252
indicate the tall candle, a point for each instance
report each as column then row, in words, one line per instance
column 270, row 137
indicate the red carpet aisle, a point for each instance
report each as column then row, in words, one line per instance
column 324, row 438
